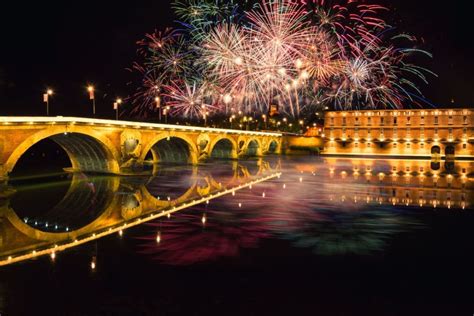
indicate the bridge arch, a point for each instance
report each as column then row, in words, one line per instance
column 170, row 148
column 88, row 150
column 223, row 147
column 272, row 147
column 253, row 148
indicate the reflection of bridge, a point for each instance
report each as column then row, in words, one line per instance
column 107, row 146
column 125, row 204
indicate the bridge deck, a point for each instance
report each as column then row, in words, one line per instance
column 6, row 120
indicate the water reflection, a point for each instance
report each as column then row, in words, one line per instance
column 90, row 207
column 331, row 206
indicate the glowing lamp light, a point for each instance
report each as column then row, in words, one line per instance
column 49, row 92
column 158, row 238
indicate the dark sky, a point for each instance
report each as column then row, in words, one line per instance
column 69, row 44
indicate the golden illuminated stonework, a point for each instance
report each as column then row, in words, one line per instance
column 428, row 134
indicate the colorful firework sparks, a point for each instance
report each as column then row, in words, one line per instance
column 281, row 53
column 188, row 100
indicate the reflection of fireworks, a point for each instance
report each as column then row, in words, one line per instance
column 202, row 234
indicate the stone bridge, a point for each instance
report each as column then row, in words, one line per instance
column 121, row 147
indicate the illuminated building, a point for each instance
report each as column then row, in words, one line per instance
column 434, row 133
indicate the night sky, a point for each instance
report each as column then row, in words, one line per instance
column 69, row 44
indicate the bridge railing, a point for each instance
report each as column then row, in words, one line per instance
column 5, row 120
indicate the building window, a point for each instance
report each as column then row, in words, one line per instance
column 381, row 120
column 408, row 120
column 464, row 146
column 357, row 120
column 356, row 145
column 369, row 145
column 450, row 121
column 463, row 170
column 369, row 120
column 407, row 169
column 382, row 132
column 464, row 131
column 332, row 120
column 394, row 145
column 422, row 169
column 464, row 120
column 422, row 120
column 450, row 132
column 343, row 121
column 408, row 145
column 422, row 132
column 436, row 120
column 422, row 146
column 395, row 121
column 436, row 131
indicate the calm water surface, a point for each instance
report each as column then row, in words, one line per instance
column 300, row 236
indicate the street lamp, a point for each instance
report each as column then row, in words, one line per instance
column 264, row 117
column 116, row 108
column 158, row 106
column 167, row 109
column 90, row 89
column 46, row 96
column 227, row 99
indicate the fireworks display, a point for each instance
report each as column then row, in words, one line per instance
column 297, row 56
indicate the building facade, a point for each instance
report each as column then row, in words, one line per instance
column 433, row 133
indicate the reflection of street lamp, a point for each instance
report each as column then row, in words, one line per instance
column 92, row 97
column 46, row 96
column 116, row 107
column 158, row 106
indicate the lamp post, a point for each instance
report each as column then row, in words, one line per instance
column 92, row 97
column 46, row 96
column 167, row 109
column 158, row 106
column 116, row 108
column 264, row 117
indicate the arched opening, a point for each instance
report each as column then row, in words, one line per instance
column 273, row 147
column 435, row 166
column 171, row 150
column 44, row 159
column 450, row 166
column 63, row 206
column 222, row 149
column 53, row 154
column 450, row 151
column 252, row 148
column 435, row 150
